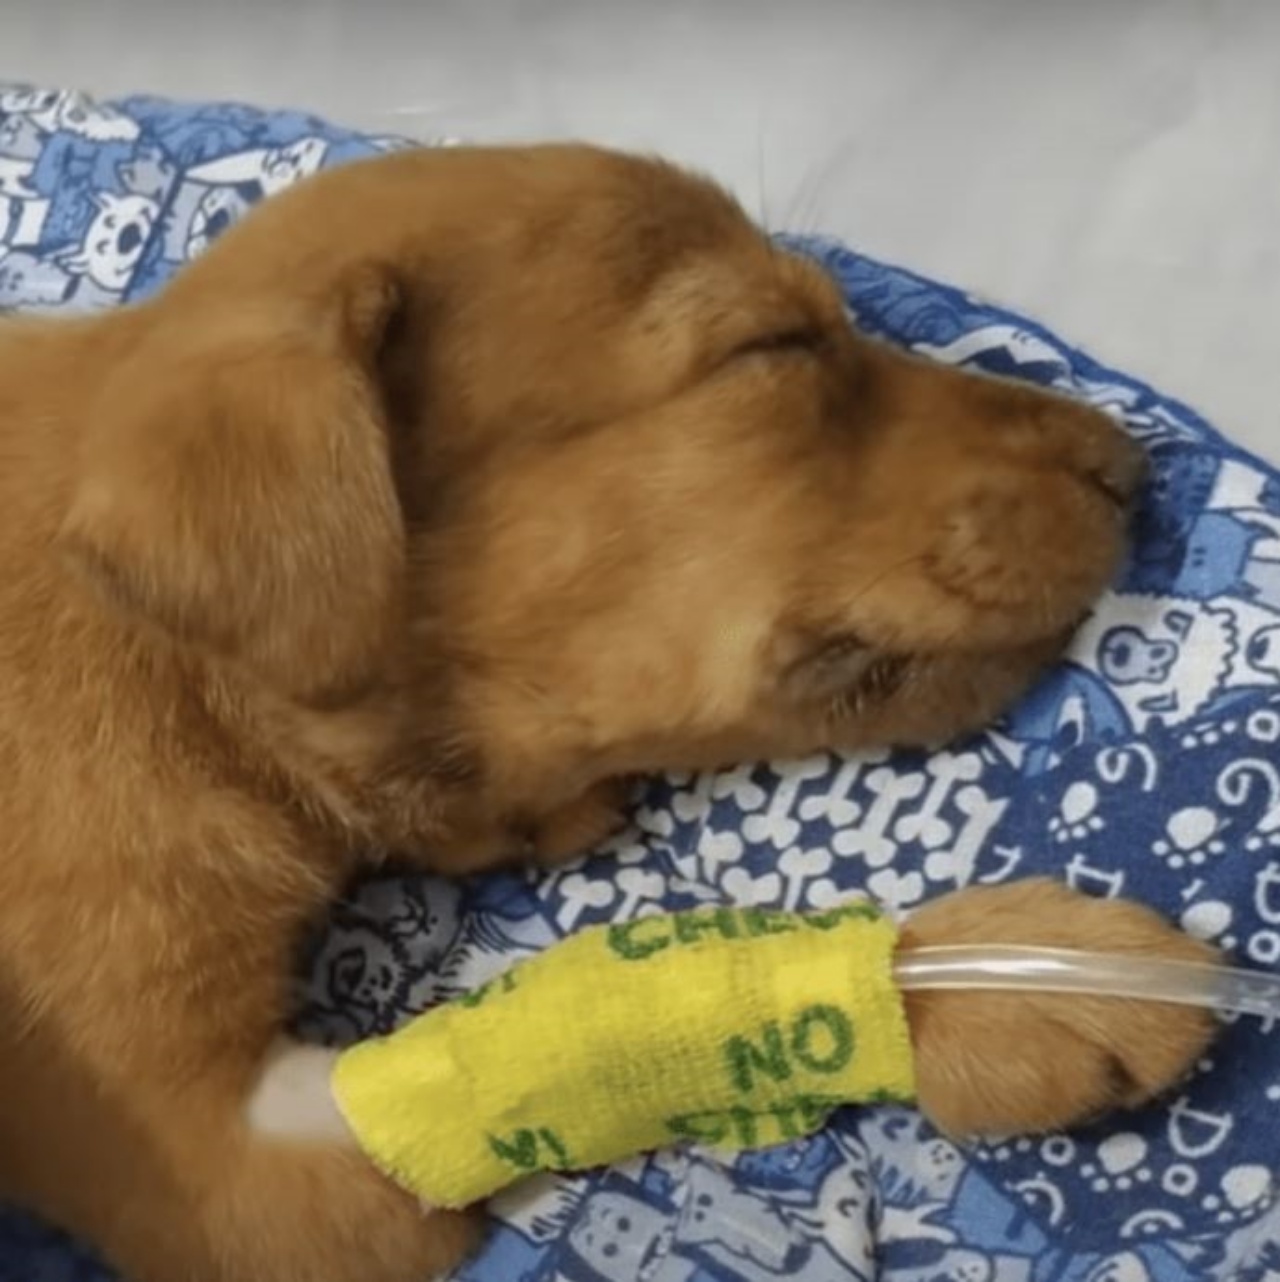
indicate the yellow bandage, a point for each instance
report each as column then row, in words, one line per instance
column 734, row 1027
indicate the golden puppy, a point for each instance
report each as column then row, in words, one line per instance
column 444, row 491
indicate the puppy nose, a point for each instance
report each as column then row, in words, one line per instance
column 1092, row 445
column 1119, row 468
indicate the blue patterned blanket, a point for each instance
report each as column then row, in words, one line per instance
column 1147, row 764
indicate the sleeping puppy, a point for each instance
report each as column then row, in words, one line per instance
column 444, row 492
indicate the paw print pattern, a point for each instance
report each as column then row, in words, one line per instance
column 1191, row 837
column 1209, row 735
column 1209, row 919
column 1077, row 818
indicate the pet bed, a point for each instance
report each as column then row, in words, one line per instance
column 1147, row 763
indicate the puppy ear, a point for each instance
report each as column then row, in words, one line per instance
column 235, row 485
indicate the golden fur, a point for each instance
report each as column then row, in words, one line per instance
column 443, row 493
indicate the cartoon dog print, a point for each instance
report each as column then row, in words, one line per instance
column 618, row 1235
column 15, row 177
column 32, row 282
column 737, row 1233
column 217, row 193
column 1002, row 349
column 267, row 169
column 114, row 242
column 1166, row 659
column 68, row 112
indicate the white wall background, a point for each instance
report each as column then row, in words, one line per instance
column 1111, row 167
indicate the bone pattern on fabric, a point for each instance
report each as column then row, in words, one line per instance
column 1145, row 765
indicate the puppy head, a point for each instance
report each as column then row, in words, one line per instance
column 561, row 425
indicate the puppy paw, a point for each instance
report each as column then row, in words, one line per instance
column 997, row 1063
column 496, row 839
column 574, row 828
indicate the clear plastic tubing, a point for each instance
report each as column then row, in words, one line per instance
column 1062, row 970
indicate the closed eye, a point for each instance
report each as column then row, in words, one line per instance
column 798, row 339
column 830, row 667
